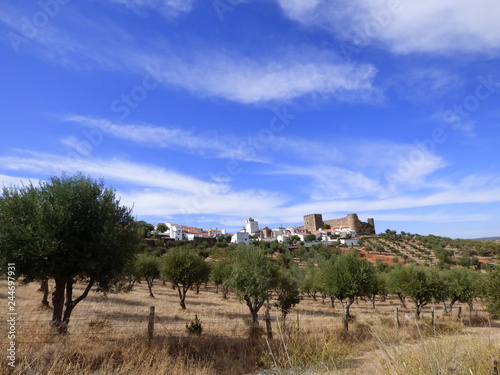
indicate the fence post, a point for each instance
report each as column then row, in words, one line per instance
column 495, row 367
column 346, row 321
column 151, row 323
column 433, row 318
column 267, row 318
column 460, row 313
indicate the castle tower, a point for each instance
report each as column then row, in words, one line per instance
column 251, row 226
column 313, row 221
column 354, row 223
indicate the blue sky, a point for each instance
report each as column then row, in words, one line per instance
column 207, row 112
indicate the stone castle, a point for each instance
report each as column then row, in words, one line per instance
column 314, row 221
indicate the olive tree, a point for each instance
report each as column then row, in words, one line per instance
column 492, row 291
column 462, row 286
column 219, row 275
column 346, row 277
column 69, row 229
column 148, row 267
column 253, row 277
column 287, row 290
column 184, row 268
column 420, row 285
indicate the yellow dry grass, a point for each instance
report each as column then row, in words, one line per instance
column 108, row 335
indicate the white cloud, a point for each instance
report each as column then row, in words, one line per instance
column 407, row 26
column 290, row 72
column 206, row 144
column 332, row 182
column 6, row 181
column 285, row 77
column 136, row 174
column 155, row 191
column 432, row 217
column 168, row 8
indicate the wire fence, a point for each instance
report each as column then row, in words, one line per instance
column 116, row 327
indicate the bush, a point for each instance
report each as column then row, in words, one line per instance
column 195, row 327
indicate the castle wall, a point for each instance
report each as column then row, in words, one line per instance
column 352, row 221
column 314, row 221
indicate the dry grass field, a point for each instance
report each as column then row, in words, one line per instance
column 108, row 335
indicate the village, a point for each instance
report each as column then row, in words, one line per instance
column 345, row 231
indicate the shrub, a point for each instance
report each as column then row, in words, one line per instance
column 195, row 327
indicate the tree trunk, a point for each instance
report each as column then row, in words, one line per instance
column 471, row 307
column 71, row 304
column 150, row 287
column 403, row 300
column 58, row 301
column 420, row 306
column 44, row 287
column 452, row 302
column 254, row 307
column 182, row 296
column 348, row 304
column 445, row 308
column 62, row 300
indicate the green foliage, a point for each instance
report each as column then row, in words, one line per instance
column 347, row 276
column 195, row 327
column 287, row 291
column 253, row 277
column 160, row 227
column 419, row 284
column 492, row 291
column 183, row 268
column 148, row 268
column 64, row 229
column 462, row 285
column 310, row 279
column 310, row 238
column 144, row 229
column 220, row 273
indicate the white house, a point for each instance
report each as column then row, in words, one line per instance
column 175, row 231
column 280, row 231
column 283, row 237
column 349, row 241
column 240, row 237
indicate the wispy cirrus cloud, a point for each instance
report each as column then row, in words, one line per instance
column 167, row 8
column 406, row 26
column 284, row 77
column 286, row 74
column 209, row 145
column 161, row 192
column 352, row 169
